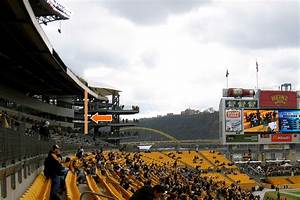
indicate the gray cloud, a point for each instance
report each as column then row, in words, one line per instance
column 290, row 63
column 285, row 69
column 147, row 12
column 80, row 58
column 150, row 58
column 255, row 25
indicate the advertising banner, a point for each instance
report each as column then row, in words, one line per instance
column 278, row 99
column 233, row 121
column 238, row 92
column 282, row 138
column 241, row 103
column 276, row 146
column 241, row 138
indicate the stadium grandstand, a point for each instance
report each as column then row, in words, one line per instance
column 39, row 96
column 54, row 145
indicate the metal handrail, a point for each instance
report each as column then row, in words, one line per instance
column 97, row 194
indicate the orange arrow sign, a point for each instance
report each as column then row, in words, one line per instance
column 101, row 118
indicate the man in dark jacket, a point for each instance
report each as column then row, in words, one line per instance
column 54, row 170
column 148, row 193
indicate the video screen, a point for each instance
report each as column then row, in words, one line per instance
column 289, row 121
column 261, row 121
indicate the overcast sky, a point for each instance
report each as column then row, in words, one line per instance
column 169, row 55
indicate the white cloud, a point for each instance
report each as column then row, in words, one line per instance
column 181, row 61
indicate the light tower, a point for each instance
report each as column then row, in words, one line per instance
column 49, row 10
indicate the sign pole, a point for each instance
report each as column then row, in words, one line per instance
column 227, row 76
column 256, row 75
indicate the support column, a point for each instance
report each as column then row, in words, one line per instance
column 86, row 130
column 116, row 116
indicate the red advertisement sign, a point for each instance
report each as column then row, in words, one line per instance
column 233, row 114
column 278, row 99
column 282, row 138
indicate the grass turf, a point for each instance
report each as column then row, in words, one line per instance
column 285, row 194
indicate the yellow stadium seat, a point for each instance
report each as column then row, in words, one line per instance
column 39, row 190
column 71, row 187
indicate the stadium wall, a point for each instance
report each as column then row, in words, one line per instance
column 13, row 95
column 52, row 122
column 15, row 182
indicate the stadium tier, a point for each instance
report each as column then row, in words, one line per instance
column 104, row 173
column 40, row 98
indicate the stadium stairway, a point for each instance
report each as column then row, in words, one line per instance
column 254, row 174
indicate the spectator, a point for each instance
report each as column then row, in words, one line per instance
column 4, row 123
column 54, row 169
column 148, row 193
column 80, row 152
column 44, row 131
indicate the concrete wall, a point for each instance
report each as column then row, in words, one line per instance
column 20, row 188
column 16, row 179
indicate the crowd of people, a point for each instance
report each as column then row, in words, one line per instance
column 148, row 180
column 269, row 169
column 10, row 121
column 44, row 130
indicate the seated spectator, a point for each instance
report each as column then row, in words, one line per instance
column 148, row 193
column 80, row 152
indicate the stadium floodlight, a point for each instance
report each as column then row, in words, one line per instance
column 49, row 10
column 60, row 9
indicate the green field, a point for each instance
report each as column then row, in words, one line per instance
column 284, row 194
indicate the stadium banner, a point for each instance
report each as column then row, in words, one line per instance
column 238, row 92
column 241, row 103
column 241, row 138
column 282, row 137
column 278, row 99
column 279, row 138
column 276, row 147
column 298, row 99
column 233, row 121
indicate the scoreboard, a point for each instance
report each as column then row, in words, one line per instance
column 289, row 121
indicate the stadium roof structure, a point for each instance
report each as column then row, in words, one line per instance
column 28, row 61
column 49, row 10
column 105, row 91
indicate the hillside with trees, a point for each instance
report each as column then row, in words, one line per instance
column 203, row 125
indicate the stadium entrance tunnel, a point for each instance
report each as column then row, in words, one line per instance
column 152, row 130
